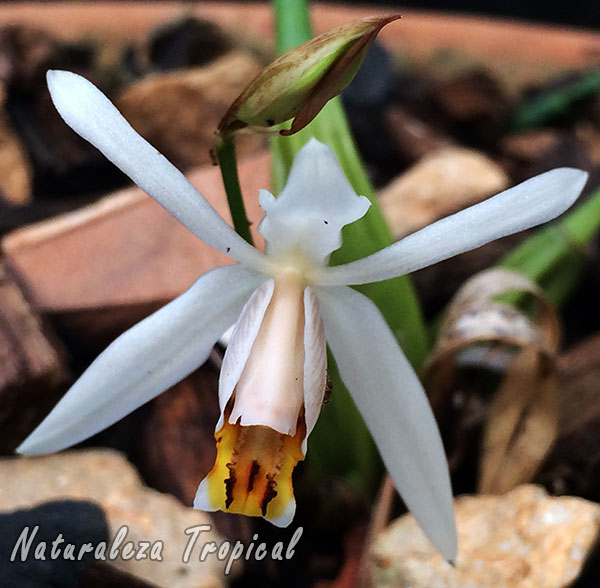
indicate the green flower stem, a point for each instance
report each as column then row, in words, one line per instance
column 341, row 444
column 554, row 257
column 225, row 150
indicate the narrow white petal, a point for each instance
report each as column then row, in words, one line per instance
column 315, row 361
column 91, row 114
column 317, row 201
column 528, row 204
column 391, row 400
column 147, row 359
column 240, row 344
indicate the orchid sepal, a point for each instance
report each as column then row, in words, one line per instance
column 526, row 205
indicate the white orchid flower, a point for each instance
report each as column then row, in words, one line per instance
column 285, row 304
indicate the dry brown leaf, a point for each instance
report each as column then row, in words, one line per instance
column 522, row 423
column 475, row 315
column 521, row 420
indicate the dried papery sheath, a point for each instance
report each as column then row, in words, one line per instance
column 299, row 83
column 482, row 333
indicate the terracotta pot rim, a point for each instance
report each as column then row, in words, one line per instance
column 420, row 33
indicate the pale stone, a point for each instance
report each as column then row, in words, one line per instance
column 440, row 184
column 107, row 478
column 523, row 539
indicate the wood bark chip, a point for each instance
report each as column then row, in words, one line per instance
column 521, row 418
column 441, row 183
column 177, row 112
column 31, row 368
column 15, row 169
column 573, row 465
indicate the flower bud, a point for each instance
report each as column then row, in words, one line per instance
column 299, row 83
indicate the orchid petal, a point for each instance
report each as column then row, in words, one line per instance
column 240, row 344
column 147, row 359
column 394, row 406
column 315, row 361
column 526, row 205
column 91, row 114
column 317, row 201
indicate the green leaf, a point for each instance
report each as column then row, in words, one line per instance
column 340, row 443
column 554, row 256
column 551, row 104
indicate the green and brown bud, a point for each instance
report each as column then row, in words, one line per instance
column 299, row 83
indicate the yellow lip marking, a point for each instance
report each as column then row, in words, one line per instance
column 252, row 474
